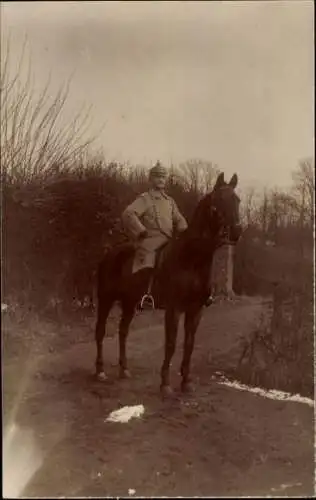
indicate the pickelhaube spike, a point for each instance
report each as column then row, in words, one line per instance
column 158, row 170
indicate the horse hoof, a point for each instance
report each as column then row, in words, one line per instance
column 166, row 391
column 187, row 387
column 125, row 374
column 101, row 377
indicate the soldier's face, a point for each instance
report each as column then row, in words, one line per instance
column 158, row 181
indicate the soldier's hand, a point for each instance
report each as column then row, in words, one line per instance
column 143, row 235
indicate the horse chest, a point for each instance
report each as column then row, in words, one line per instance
column 192, row 281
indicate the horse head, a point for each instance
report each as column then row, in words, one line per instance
column 217, row 214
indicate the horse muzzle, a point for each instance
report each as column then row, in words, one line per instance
column 235, row 233
column 231, row 234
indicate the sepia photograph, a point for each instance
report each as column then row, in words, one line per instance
column 157, row 248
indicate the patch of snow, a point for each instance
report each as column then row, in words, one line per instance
column 270, row 394
column 125, row 414
column 270, row 243
column 285, row 486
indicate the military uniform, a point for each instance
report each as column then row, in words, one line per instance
column 157, row 214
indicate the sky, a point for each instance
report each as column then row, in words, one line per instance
column 227, row 82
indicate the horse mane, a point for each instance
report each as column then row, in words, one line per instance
column 197, row 221
column 198, row 242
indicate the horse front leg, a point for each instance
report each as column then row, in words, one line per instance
column 104, row 307
column 128, row 312
column 191, row 323
column 172, row 317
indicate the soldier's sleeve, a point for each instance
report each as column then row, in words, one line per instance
column 131, row 216
column 180, row 224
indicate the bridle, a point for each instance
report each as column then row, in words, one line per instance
column 224, row 229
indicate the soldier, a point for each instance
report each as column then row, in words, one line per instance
column 151, row 221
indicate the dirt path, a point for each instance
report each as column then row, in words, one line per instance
column 218, row 441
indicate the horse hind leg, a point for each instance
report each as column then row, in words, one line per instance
column 104, row 307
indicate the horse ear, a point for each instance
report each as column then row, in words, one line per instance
column 233, row 181
column 219, row 181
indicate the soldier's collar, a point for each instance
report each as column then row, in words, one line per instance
column 158, row 194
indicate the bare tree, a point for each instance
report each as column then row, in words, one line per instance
column 304, row 189
column 248, row 206
column 263, row 212
column 34, row 140
column 198, row 176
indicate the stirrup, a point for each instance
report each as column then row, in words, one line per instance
column 147, row 301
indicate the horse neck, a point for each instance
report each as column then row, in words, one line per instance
column 202, row 232
column 203, row 225
column 199, row 245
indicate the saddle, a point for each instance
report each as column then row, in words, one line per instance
column 123, row 256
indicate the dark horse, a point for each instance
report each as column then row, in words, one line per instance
column 184, row 278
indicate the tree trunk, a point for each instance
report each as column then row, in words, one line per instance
column 222, row 272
